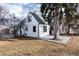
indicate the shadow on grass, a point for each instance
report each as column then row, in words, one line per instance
column 8, row 39
column 72, row 34
column 17, row 38
column 26, row 38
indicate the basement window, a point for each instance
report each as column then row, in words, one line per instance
column 44, row 28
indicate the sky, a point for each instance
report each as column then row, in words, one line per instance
column 21, row 9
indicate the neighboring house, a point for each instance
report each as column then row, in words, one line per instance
column 33, row 26
column 5, row 29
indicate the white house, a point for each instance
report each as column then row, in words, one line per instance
column 33, row 26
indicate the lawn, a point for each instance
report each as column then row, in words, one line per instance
column 30, row 46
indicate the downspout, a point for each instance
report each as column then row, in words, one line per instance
column 38, row 30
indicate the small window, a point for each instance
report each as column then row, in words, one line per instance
column 26, row 28
column 29, row 18
column 34, row 28
column 44, row 28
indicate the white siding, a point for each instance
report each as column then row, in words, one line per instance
column 39, row 28
column 41, row 33
column 18, row 32
column 30, row 25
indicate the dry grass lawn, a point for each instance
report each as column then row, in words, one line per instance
column 36, row 47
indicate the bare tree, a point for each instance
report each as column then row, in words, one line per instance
column 54, row 11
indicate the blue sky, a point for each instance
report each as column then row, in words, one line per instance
column 21, row 9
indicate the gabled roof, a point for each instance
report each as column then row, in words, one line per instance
column 40, row 21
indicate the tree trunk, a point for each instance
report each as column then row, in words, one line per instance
column 51, row 29
column 20, row 32
column 56, row 28
column 68, row 29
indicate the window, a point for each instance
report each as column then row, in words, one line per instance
column 44, row 28
column 26, row 28
column 34, row 28
column 29, row 18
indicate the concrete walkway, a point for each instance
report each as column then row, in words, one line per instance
column 63, row 39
